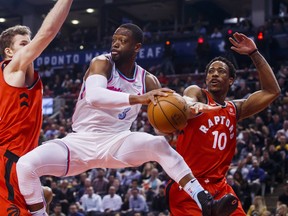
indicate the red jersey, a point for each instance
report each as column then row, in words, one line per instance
column 20, row 115
column 20, row 124
column 208, row 142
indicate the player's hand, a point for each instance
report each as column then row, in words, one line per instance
column 199, row 107
column 150, row 96
column 242, row 44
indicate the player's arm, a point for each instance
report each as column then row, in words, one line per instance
column 48, row 30
column 270, row 89
column 197, row 101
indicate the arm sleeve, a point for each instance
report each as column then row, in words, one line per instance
column 97, row 93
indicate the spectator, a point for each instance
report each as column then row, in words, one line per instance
column 275, row 125
column 74, row 210
column 129, row 175
column 283, row 131
column 153, row 182
column 234, row 184
column 57, row 210
column 159, row 203
column 137, row 202
column 282, row 210
column 91, row 203
column 66, row 195
column 83, row 189
column 268, row 166
column 256, row 179
column 100, row 183
column 245, row 191
column 111, row 202
column 258, row 207
column 283, row 197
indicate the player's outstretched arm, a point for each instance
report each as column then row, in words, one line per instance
column 48, row 30
column 196, row 101
column 270, row 89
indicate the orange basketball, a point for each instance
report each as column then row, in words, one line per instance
column 169, row 114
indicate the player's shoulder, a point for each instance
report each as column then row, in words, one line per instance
column 101, row 63
column 151, row 81
column 104, row 58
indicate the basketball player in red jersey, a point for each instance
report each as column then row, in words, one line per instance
column 21, row 102
column 208, row 142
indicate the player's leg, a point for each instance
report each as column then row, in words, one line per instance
column 47, row 159
column 139, row 148
column 11, row 200
column 48, row 196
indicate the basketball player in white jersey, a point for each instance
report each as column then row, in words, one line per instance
column 114, row 89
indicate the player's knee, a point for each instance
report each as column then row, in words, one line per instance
column 160, row 143
column 23, row 168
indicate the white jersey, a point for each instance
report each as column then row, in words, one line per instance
column 89, row 118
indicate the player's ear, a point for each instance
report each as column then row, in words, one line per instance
column 8, row 52
column 231, row 81
column 138, row 47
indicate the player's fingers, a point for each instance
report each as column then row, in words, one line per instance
column 166, row 90
column 208, row 108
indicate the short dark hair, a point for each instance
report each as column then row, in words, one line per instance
column 6, row 37
column 232, row 70
column 136, row 31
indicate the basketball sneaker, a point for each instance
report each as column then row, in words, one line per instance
column 222, row 207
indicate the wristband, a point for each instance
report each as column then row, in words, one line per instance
column 254, row 51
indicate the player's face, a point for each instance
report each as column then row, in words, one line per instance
column 123, row 45
column 218, row 78
column 19, row 41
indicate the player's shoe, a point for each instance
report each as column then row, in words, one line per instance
column 222, row 207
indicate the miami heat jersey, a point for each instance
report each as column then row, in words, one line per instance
column 20, row 115
column 208, row 142
column 88, row 118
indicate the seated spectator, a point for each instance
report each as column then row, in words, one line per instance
column 234, row 184
column 282, row 210
column 91, row 203
column 66, row 195
column 159, row 203
column 279, row 162
column 256, row 179
column 258, row 207
column 283, row 197
column 111, row 202
column 153, row 182
column 137, row 202
column 245, row 195
column 57, row 210
column 100, row 183
column 129, row 175
column 74, row 210
column 268, row 166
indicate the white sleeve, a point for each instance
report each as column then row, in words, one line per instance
column 97, row 93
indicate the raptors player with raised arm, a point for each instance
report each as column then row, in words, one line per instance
column 208, row 142
column 21, row 102
column 113, row 91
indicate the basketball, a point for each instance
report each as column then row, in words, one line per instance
column 169, row 114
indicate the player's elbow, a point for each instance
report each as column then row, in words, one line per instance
column 276, row 93
column 93, row 99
